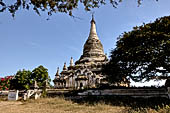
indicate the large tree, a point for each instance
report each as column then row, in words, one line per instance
column 53, row 6
column 21, row 80
column 40, row 74
column 141, row 54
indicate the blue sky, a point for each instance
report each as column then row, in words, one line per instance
column 29, row 40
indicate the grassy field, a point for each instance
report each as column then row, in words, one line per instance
column 61, row 105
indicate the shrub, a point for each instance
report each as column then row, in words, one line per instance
column 5, row 82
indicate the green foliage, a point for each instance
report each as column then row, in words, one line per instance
column 25, row 79
column 21, row 80
column 53, row 6
column 40, row 74
column 142, row 53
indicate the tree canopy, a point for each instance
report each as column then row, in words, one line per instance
column 24, row 79
column 53, row 6
column 40, row 74
column 141, row 54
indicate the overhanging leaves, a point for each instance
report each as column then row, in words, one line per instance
column 53, row 6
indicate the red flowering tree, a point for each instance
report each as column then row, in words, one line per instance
column 5, row 82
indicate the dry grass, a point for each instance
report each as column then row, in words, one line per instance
column 55, row 105
column 60, row 105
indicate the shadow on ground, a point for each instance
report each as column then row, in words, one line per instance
column 126, row 101
column 122, row 101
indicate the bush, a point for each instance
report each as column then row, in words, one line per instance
column 5, row 83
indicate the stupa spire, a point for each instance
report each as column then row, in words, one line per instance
column 93, row 49
column 71, row 61
column 93, row 33
column 92, row 20
column 57, row 74
column 65, row 67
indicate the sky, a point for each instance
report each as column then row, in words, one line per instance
column 29, row 40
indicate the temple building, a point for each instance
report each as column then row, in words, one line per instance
column 86, row 72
